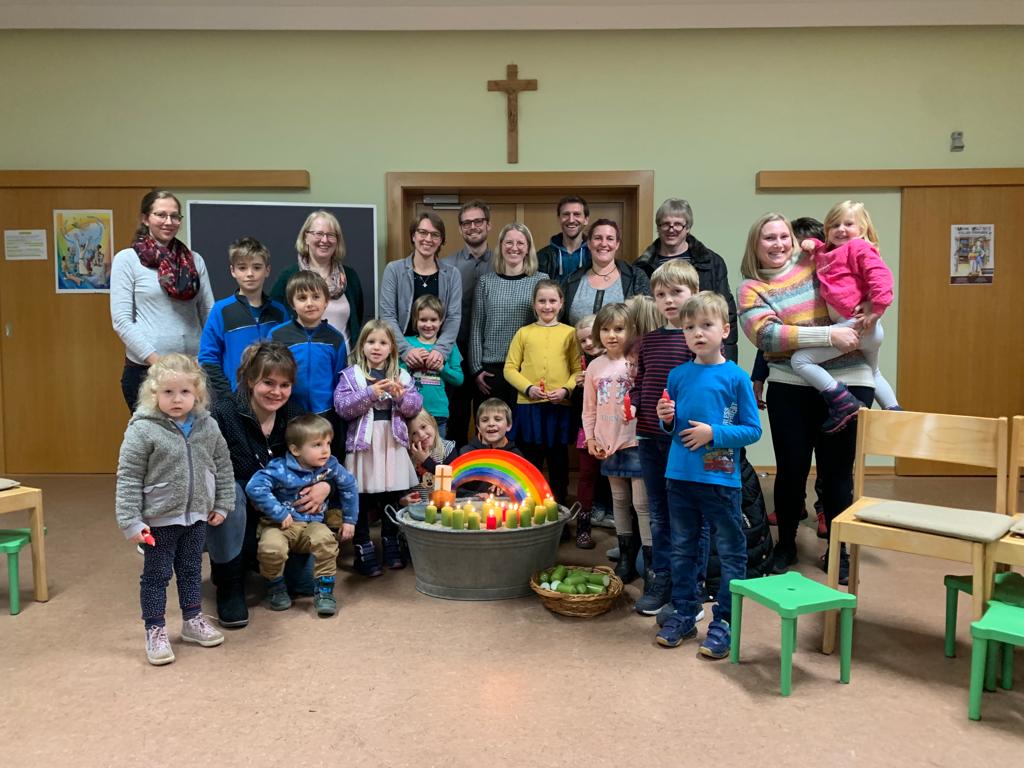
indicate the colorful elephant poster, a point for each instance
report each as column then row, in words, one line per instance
column 83, row 250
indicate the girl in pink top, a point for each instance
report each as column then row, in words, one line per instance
column 609, row 423
column 857, row 287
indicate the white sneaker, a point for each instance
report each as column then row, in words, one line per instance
column 199, row 630
column 158, row 646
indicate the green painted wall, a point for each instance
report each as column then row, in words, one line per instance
column 704, row 109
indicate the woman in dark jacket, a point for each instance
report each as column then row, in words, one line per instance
column 607, row 280
column 321, row 248
column 253, row 421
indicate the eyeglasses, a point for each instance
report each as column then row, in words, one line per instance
column 465, row 223
column 672, row 226
column 164, row 216
column 426, row 234
column 317, row 235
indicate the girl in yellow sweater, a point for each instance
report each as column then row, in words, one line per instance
column 542, row 362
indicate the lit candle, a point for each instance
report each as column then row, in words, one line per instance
column 525, row 518
column 627, row 408
column 430, row 514
column 446, row 516
column 527, row 504
column 551, row 506
column 458, row 519
column 473, row 521
column 468, row 507
column 492, row 521
column 512, row 520
column 583, row 362
column 539, row 516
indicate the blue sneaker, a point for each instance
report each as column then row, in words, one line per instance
column 716, row 644
column 675, row 630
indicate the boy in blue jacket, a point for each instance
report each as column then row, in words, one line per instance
column 282, row 529
column 239, row 320
column 711, row 414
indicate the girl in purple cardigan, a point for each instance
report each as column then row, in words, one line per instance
column 376, row 397
column 857, row 288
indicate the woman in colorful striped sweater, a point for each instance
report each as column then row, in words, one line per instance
column 781, row 310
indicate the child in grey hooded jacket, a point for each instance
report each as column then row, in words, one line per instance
column 173, row 477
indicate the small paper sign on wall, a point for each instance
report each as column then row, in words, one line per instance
column 972, row 254
column 25, row 244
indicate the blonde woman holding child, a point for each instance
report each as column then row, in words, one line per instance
column 174, row 477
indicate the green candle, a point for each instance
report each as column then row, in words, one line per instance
column 525, row 519
column 527, row 504
column 473, row 521
column 459, row 519
column 512, row 518
column 446, row 516
column 539, row 516
column 552, row 511
column 430, row 514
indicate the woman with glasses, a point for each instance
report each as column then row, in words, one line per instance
column 422, row 272
column 160, row 292
column 674, row 219
column 607, row 280
column 502, row 304
column 320, row 245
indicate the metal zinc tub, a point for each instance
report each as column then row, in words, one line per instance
column 478, row 565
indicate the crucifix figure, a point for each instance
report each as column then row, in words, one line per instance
column 511, row 86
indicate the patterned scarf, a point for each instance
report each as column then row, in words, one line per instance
column 335, row 281
column 174, row 265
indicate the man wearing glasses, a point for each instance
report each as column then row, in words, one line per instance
column 567, row 250
column 674, row 220
column 473, row 260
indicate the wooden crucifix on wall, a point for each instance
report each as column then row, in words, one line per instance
column 511, row 86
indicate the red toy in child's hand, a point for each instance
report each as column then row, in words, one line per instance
column 664, row 395
column 148, row 538
column 541, row 385
column 627, row 408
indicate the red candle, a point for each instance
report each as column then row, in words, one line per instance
column 541, row 385
column 583, row 362
column 492, row 522
column 627, row 407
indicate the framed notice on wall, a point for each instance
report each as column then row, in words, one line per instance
column 972, row 254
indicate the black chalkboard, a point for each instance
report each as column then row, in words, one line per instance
column 214, row 224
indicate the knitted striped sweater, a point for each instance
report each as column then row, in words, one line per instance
column 501, row 306
column 785, row 313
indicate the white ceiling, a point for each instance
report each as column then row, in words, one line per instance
column 404, row 15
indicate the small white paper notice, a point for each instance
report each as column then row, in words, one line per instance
column 25, row 244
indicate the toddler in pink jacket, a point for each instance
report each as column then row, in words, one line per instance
column 857, row 287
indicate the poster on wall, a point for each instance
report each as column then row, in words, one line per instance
column 83, row 250
column 972, row 254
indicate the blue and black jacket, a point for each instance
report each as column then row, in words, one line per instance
column 320, row 356
column 273, row 490
column 234, row 324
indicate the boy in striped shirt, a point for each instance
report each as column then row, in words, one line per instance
column 658, row 353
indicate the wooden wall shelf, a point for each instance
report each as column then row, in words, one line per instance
column 768, row 181
column 157, row 179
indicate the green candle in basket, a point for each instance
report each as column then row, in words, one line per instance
column 459, row 519
column 525, row 518
column 551, row 507
column 430, row 514
column 539, row 516
column 473, row 521
column 446, row 516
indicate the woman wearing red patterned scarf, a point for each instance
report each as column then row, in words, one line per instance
column 159, row 292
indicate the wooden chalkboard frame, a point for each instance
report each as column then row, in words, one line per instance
column 212, row 225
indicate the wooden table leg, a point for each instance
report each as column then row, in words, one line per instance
column 39, row 550
column 980, row 584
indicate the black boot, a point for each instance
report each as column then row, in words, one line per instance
column 393, row 557
column 584, row 540
column 625, row 569
column 229, row 578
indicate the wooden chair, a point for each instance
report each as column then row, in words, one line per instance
column 1016, row 465
column 969, row 440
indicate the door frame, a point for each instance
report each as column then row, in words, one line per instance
column 635, row 187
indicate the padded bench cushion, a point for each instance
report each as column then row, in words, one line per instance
column 1018, row 526
column 966, row 524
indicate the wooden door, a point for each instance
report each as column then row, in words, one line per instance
column 60, row 360
column 961, row 347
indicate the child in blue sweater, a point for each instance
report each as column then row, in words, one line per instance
column 710, row 413
column 430, row 376
column 283, row 529
column 239, row 320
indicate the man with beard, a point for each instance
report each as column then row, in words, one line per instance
column 472, row 261
column 567, row 250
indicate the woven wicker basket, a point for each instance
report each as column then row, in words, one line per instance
column 581, row 606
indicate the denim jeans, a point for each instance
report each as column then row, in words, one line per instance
column 692, row 506
column 224, row 541
column 653, row 460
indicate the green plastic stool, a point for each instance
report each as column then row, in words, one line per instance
column 791, row 595
column 1009, row 589
column 1001, row 624
column 11, row 542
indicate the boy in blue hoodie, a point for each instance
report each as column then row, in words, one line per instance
column 239, row 320
column 711, row 414
column 282, row 529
